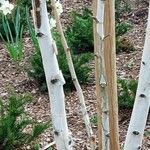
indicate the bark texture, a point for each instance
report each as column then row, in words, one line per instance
column 110, row 65
column 54, row 77
column 74, row 78
column 101, row 84
column 142, row 101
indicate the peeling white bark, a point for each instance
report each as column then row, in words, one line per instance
column 101, row 78
column 74, row 78
column 142, row 101
column 54, row 77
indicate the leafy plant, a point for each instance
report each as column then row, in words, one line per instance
column 13, row 122
column 93, row 120
column 37, row 71
column 122, row 45
column 80, row 32
column 13, row 44
column 126, row 92
column 121, row 7
column 122, row 28
column 24, row 3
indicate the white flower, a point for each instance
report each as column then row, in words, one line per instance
column 52, row 23
column 6, row 7
column 1, row 1
column 59, row 7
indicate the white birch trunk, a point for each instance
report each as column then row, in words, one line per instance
column 54, row 77
column 142, row 101
column 101, row 79
column 74, row 78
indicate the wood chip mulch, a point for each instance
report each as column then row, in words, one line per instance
column 127, row 67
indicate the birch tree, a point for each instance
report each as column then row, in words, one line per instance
column 74, row 76
column 54, row 77
column 142, row 101
column 100, row 73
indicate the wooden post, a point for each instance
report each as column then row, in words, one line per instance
column 110, row 62
column 101, row 86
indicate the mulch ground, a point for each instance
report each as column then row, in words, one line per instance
column 128, row 65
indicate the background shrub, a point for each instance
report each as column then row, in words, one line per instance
column 13, row 122
column 37, row 71
column 80, row 32
column 126, row 92
column 80, row 38
column 121, row 7
column 82, row 70
column 126, row 95
column 122, row 28
column 122, row 44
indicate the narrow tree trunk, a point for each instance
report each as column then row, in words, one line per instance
column 54, row 77
column 142, row 101
column 97, row 70
column 74, row 78
column 110, row 62
column 101, row 85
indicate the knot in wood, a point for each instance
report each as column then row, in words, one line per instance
column 107, row 135
column 39, row 34
column 139, row 148
column 54, row 81
column 70, row 142
column 143, row 63
column 56, row 133
column 142, row 95
column 136, row 132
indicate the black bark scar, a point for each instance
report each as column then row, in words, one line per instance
column 37, row 12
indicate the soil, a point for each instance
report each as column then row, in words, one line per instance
column 128, row 65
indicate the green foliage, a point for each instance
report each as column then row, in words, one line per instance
column 36, row 147
column 13, row 122
column 2, row 31
column 31, row 31
column 126, row 92
column 123, row 44
column 147, row 133
column 82, row 70
column 121, row 8
column 126, row 96
column 13, row 43
column 93, row 120
column 80, row 32
column 24, row 3
column 122, row 28
column 37, row 71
